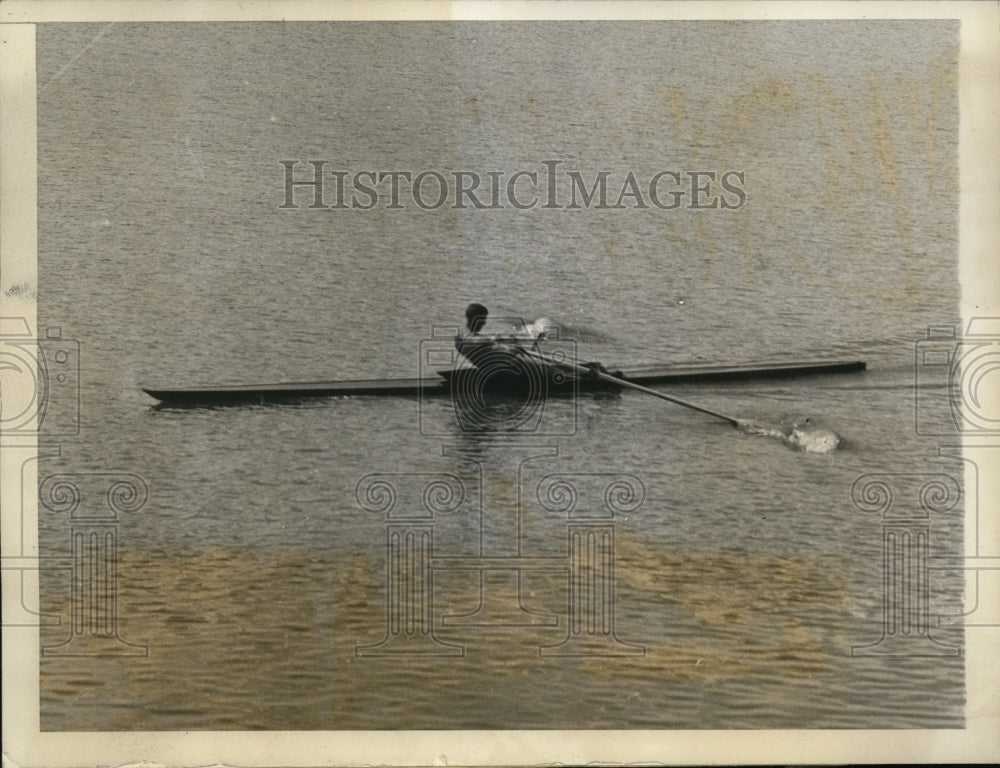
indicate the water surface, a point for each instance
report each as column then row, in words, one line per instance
column 253, row 574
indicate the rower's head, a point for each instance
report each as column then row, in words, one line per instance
column 475, row 317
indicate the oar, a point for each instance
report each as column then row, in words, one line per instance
column 631, row 385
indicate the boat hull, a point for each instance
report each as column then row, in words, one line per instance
column 470, row 382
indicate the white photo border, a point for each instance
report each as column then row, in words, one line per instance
column 24, row 743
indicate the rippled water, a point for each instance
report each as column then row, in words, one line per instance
column 253, row 574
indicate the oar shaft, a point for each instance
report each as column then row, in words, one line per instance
column 632, row 385
column 662, row 396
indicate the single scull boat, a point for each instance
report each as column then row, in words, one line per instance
column 502, row 383
column 503, row 364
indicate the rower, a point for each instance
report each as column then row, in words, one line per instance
column 470, row 344
column 490, row 350
column 475, row 317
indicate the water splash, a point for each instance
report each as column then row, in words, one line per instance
column 813, row 439
column 800, row 436
column 556, row 329
column 543, row 326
